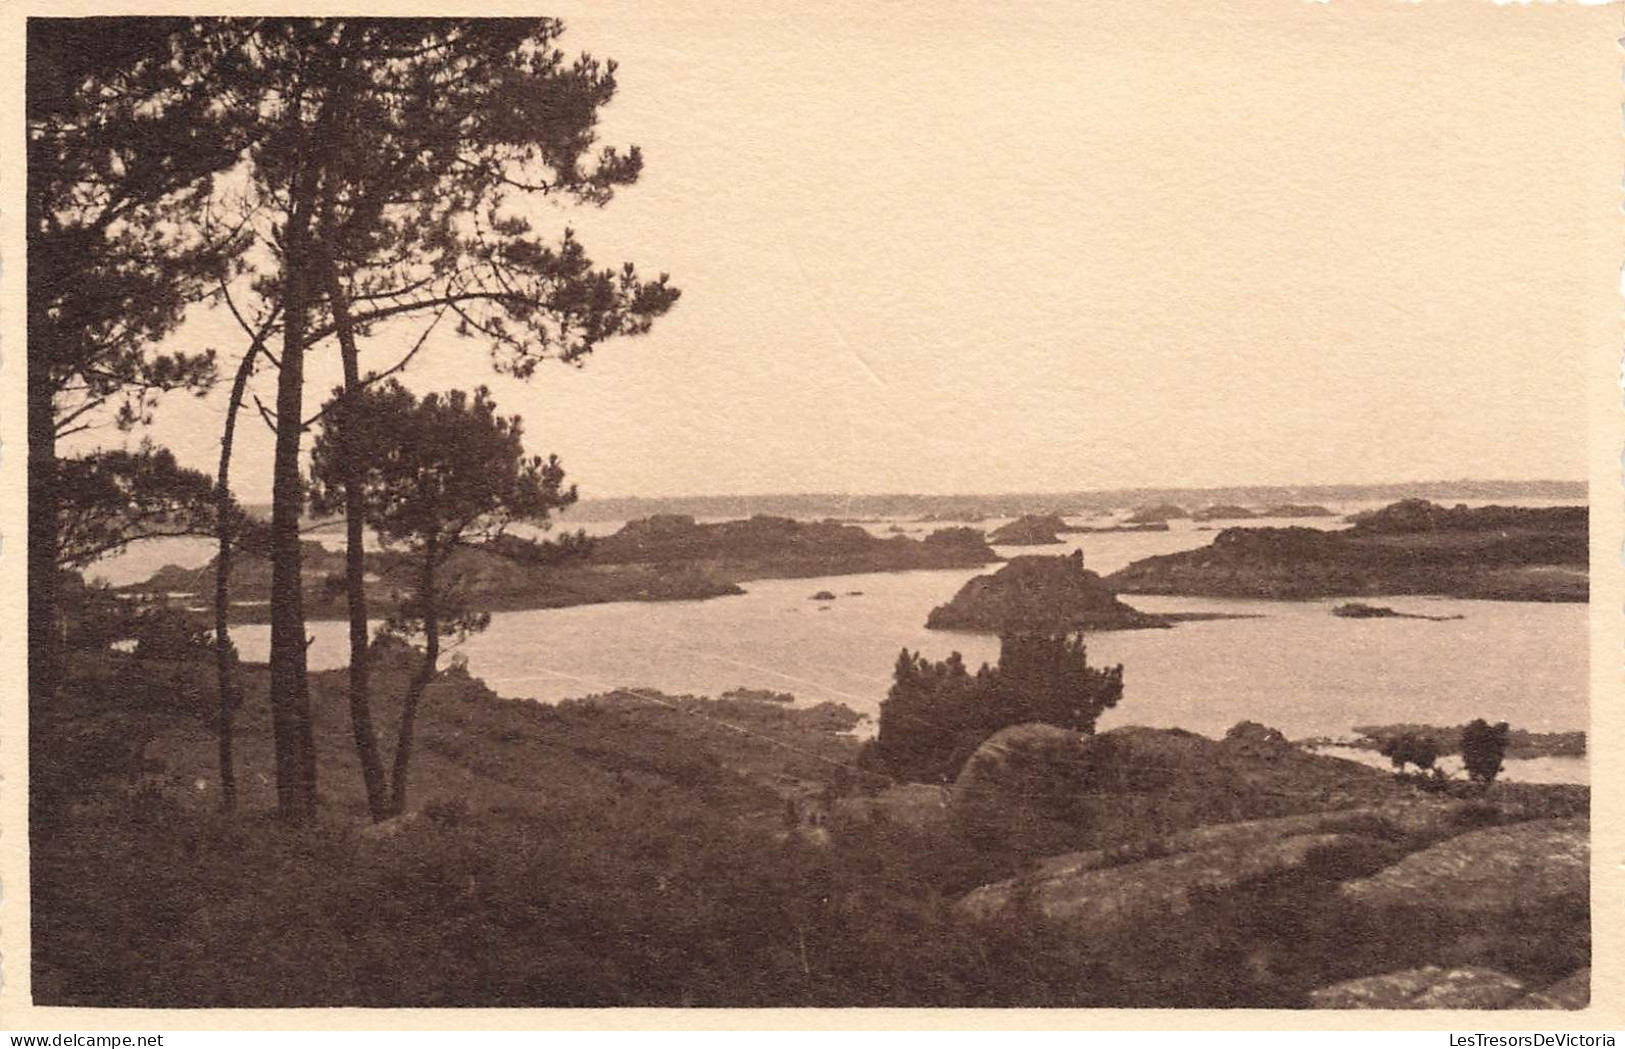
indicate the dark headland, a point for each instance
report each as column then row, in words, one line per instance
column 1411, row 547
column 664, row 558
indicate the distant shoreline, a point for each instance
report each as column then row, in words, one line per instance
column 962, row 506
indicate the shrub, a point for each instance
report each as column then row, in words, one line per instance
column 96, row 618
column 1410, row 749
column 169, row 634
column 1482, row 747
column 938, row 713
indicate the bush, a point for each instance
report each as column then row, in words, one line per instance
column 1482, row 747
column 93, row 615
column 937, row 714
column 96, row 618
column 1410, row 749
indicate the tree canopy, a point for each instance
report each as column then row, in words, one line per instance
column 439, row 472
column 125, row 136
column 116, row 497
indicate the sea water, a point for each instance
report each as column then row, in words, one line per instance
column 1291, row 665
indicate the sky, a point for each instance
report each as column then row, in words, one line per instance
column 1038, row 247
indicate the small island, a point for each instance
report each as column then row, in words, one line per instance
column 1039, row 594
column 1162, row 512
column 1410, row 547
column 1152, row 526
column 1296, row 510
column 1030, row 530
column 1222, row 513
column 1357, row 610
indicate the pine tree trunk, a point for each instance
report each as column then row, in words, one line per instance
column 420, row 680
column 355, row 569
column 44, row 641
column 225, row 658
column 290, row 686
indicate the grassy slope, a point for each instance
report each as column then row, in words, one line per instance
column 598, row 853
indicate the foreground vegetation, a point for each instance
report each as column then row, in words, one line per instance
column 644, row 849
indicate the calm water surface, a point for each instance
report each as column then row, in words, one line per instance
column 1296, row 667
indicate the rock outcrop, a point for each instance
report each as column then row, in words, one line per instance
column 1417, row 818
column 1095, row 898
column 1427, row 987
column 1571, row 992
column 1494, row 871
column 1039, row 594
column 1177, row 779
column 1023, row 763
column 1030, row 530
column 1253, row 732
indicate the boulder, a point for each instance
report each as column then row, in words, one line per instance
column 1429, row 987
column 1021, row 789
column 1018, row 777
column 1021, row 763
column 1489, row 872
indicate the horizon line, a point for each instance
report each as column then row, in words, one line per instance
column 1060, row 492
column 1011, row 493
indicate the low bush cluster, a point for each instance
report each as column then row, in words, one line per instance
column 938, row 713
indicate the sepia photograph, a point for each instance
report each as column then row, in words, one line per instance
column 812, row 506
